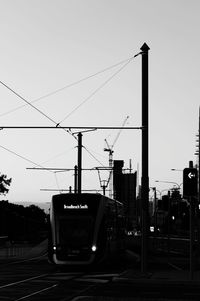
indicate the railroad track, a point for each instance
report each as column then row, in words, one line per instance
column 34, row 279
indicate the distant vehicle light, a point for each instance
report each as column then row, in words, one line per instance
column 152, row 229
column 94, row 248
column 130, row 233
column 54, row 248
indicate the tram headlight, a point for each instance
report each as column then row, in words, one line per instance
column 94, row 248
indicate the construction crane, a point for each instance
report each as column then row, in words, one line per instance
column 110, row 151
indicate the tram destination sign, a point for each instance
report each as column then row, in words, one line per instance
column 77, row 206
column 189, row 182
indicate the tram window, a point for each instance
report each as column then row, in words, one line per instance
column 75, row 232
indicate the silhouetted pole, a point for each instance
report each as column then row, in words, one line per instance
column 199, row 162
column 192, row 229
column 192, row 238
column 198, row 212
column 79, row 161
column 104, row 189
column 145, row 159
column 75, row 179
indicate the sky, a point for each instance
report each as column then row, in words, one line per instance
column 75, row 60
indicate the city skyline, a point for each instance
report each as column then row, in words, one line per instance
column 75, row 62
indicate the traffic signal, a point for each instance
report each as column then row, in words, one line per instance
column 189, row 182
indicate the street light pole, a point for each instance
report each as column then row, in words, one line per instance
column 169, row 182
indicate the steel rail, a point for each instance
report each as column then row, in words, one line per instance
column 37, row 292
column 22, row 281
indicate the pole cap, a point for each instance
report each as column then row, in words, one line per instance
column 145, row 47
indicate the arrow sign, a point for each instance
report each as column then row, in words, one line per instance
column 189, row 182
column 191, row 175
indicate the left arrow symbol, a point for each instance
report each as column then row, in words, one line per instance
column 191, row 175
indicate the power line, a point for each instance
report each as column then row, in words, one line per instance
column 92, row 155
column 27, row 102
column 16, row 154
column 34, row 107
column 58, row 155
column 96, row 90
column 30, row 161
column 66, row 86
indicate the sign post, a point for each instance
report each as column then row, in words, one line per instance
column 190, row 192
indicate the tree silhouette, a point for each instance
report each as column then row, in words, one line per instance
column 4, row 184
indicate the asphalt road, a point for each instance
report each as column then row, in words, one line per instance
column 35, row 279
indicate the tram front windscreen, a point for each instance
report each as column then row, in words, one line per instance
column 74, row 220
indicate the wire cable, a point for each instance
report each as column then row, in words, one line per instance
column 58, row 155
column 55, row 174
column 34, row 107
column 66, row 86
column 96, row 90
column 27, row 102
column 14, row 153
column 57, row 124
column 92, row 155
column 90, row 96
column 30, row 161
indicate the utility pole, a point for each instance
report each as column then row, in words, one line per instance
column 145, row 159
column 79, row 162
column 192, row 229
column 75, row 178
column 190, row 191
column 198, row 204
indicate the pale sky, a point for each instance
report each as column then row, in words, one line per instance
column 47, row 45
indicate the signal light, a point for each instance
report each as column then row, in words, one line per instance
column 94, row 248
column 189, row 182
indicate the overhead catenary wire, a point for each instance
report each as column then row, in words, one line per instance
column 34, row 107
column 30, row 161
column 20, row 156
column 93, row 156
column 27, row 102
column 58, row 155
column 66, row 87
column 96, row 90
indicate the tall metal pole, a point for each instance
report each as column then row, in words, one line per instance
column 145, row 159
column 75, row 178
column 198, row 211
column 192, row 229
column 192, row 238
column 79, row 161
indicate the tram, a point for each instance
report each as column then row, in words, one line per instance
column 85, row 229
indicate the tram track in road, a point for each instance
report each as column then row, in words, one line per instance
column 57, row 286
column 35, row 280
column 38, row 287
